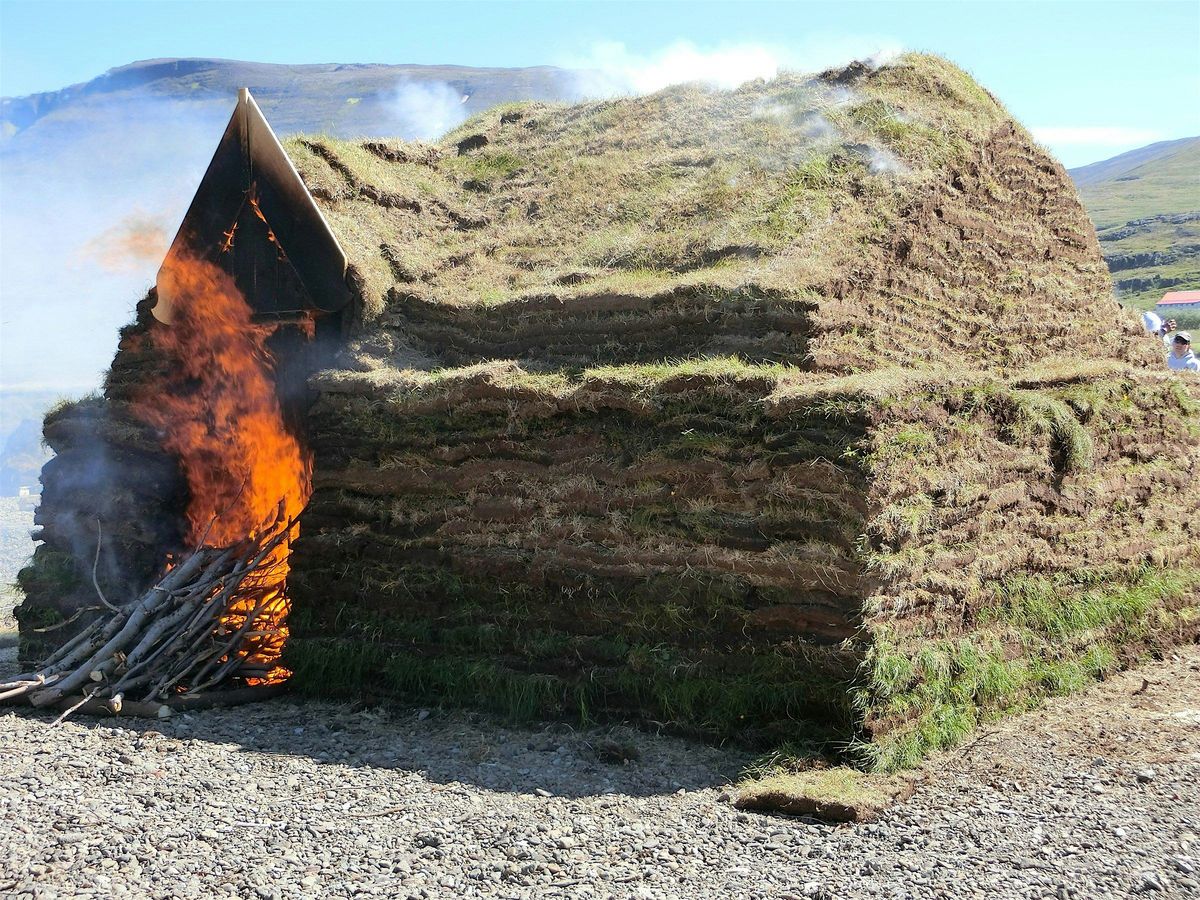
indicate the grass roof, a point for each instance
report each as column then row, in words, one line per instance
column 901, row 209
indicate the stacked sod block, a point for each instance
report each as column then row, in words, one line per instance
column 670, row 554
column 797, row 412
column 105, row 514
column 865, row 562
column 1029, row 537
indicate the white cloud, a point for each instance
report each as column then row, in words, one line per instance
column 1092, row 135
column 611, row 69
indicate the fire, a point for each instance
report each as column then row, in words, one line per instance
column 220, row 415
column 253, row 198
column 227, row 244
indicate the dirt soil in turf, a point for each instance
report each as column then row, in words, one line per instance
column 1090, row 796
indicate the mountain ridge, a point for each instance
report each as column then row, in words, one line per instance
column 1145, row 205
column 1115, row 166
column 308, row 88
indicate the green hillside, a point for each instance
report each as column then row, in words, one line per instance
column 1146, row 208
column 340, row 99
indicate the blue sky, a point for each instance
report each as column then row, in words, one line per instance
column 1092, row 78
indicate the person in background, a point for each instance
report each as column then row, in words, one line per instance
column 1181, row 358
column 1154, row 324
column 1167, row 327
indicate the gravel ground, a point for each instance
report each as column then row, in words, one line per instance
column 1090, row 797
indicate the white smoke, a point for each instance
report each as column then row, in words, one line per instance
column 85, row 207
column 882, row 161
column 817, row 131
column 610, row 69
column 425, row 110
column 614, row 70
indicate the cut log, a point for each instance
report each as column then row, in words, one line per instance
column 181, row 642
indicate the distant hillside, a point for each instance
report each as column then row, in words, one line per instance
column 337, row 99
column 1146, row 208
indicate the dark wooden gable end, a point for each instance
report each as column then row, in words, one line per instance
column 253, row 216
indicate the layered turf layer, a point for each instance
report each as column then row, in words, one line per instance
column 863, row 218
column 633, row 543
column 872, row 562
column 1028, row 537
column 813, row 528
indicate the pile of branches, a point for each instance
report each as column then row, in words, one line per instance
column 186, row 635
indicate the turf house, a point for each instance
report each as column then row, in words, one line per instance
column 798, row 412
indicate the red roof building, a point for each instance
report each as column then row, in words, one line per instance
column 1177, row 300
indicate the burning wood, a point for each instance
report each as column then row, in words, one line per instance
column 220, row 415
column 218, row 615
column 211, row 619
column 252, row 264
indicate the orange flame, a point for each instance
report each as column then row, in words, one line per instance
column 253, row 198
column 220, row 414
column 227, row 244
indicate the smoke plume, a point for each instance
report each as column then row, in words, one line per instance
column 87, row 208
column 137, row 241
column 424, row 110
column 610, row 69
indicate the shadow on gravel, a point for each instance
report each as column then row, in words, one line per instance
column 549, row 759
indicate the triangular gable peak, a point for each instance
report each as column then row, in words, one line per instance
column 253, row 216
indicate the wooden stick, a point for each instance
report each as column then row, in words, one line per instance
column 19, row 688
column 178, row 703
column 65, row 622
column 83, row 635
column 197, row 627
column 234, row 697
column 70, row 709
column 117, row 642
column 91, row 706
column 95, row 563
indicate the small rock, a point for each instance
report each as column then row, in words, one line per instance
column 1150, row 882
column 1145, row 776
